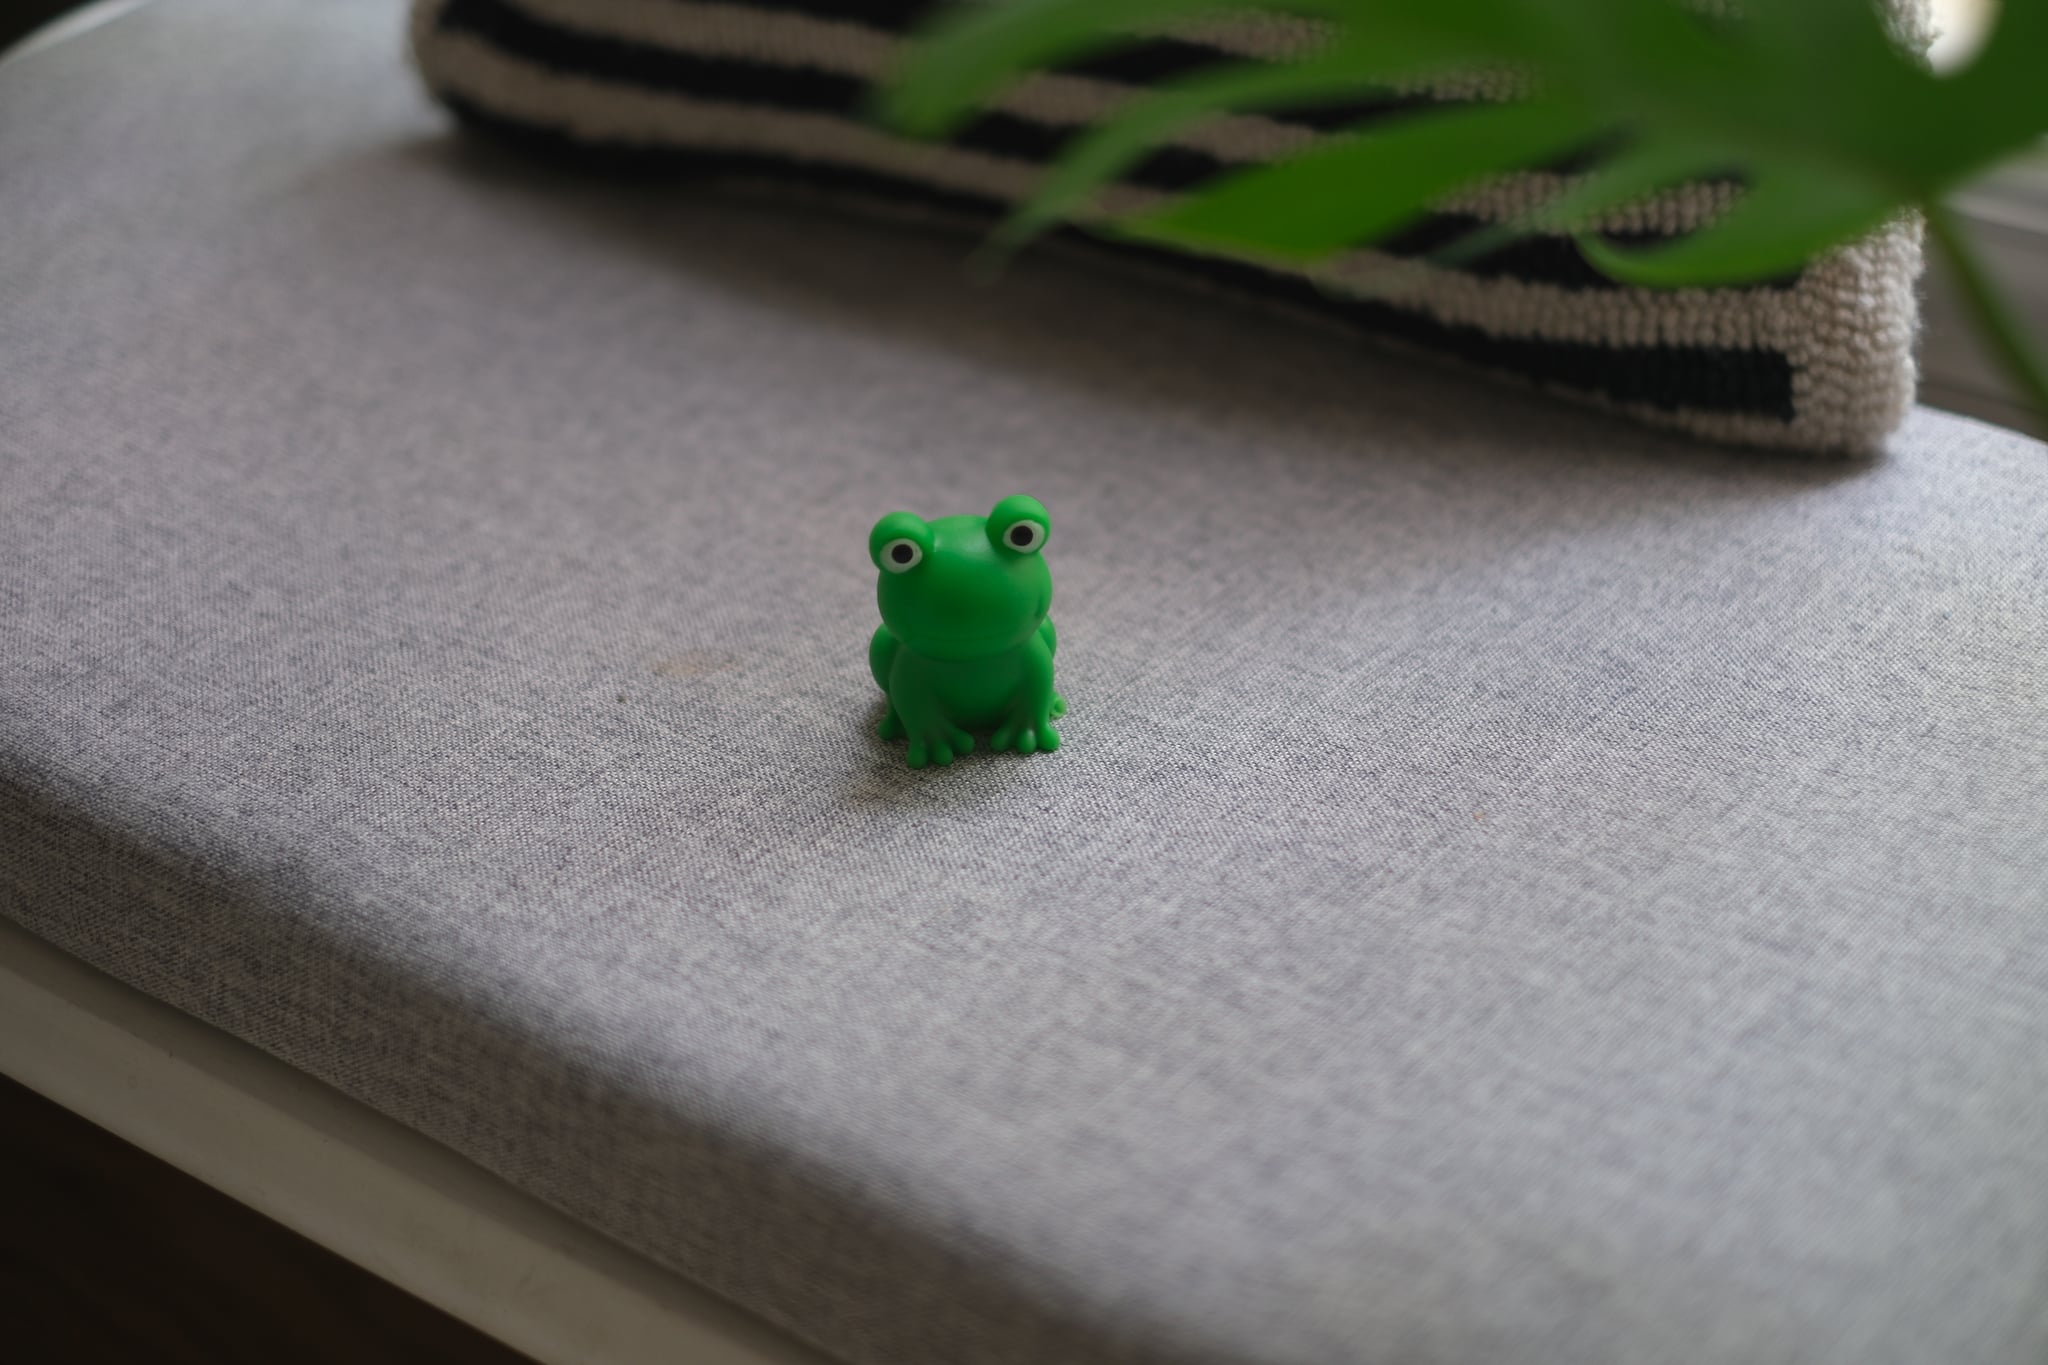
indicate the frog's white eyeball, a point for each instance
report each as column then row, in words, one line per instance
column 902, row 555
column 1024, row 537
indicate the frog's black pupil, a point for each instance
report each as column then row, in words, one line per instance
column 1020, row 535
column 900, row 553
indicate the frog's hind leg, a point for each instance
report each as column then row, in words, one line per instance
column 882, row 647
column 881, row 659
column 1052, row 646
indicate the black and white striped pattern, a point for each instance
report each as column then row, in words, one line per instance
column 1821, row 361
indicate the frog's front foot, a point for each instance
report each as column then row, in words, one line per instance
column 1059, row 706
column 891, row 726
column 1028, row 733
column 939, row 743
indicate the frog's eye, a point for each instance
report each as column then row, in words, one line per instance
column 1019, row 525
column 1024, row 537
column 901, row 555
column 899, row 542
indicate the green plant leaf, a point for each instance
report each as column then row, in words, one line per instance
column 1810, row 94
column 1103, row 154
column 1781, row 221
column 1298, row 210
column 1997, row 106
column 1631, row 175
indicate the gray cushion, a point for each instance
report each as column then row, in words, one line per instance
column 1516, row 887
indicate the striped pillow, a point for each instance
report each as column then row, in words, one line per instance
column 1821, row 361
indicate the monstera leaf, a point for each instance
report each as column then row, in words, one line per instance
column 1830, row 127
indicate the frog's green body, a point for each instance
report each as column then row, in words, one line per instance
column 965, row 643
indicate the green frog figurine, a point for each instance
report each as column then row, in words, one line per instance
column 965, row 643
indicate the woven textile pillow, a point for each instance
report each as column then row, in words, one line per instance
column 1820, row 361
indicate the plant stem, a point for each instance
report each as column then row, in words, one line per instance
column 1989, row 310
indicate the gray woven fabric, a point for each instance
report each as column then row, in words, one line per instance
column 1516, row 887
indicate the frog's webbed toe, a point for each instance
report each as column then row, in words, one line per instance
column 1025, row 736
column 1059, row 706
column 940, row 744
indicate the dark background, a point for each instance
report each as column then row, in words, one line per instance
column 18, row 18
column 109, row 1256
